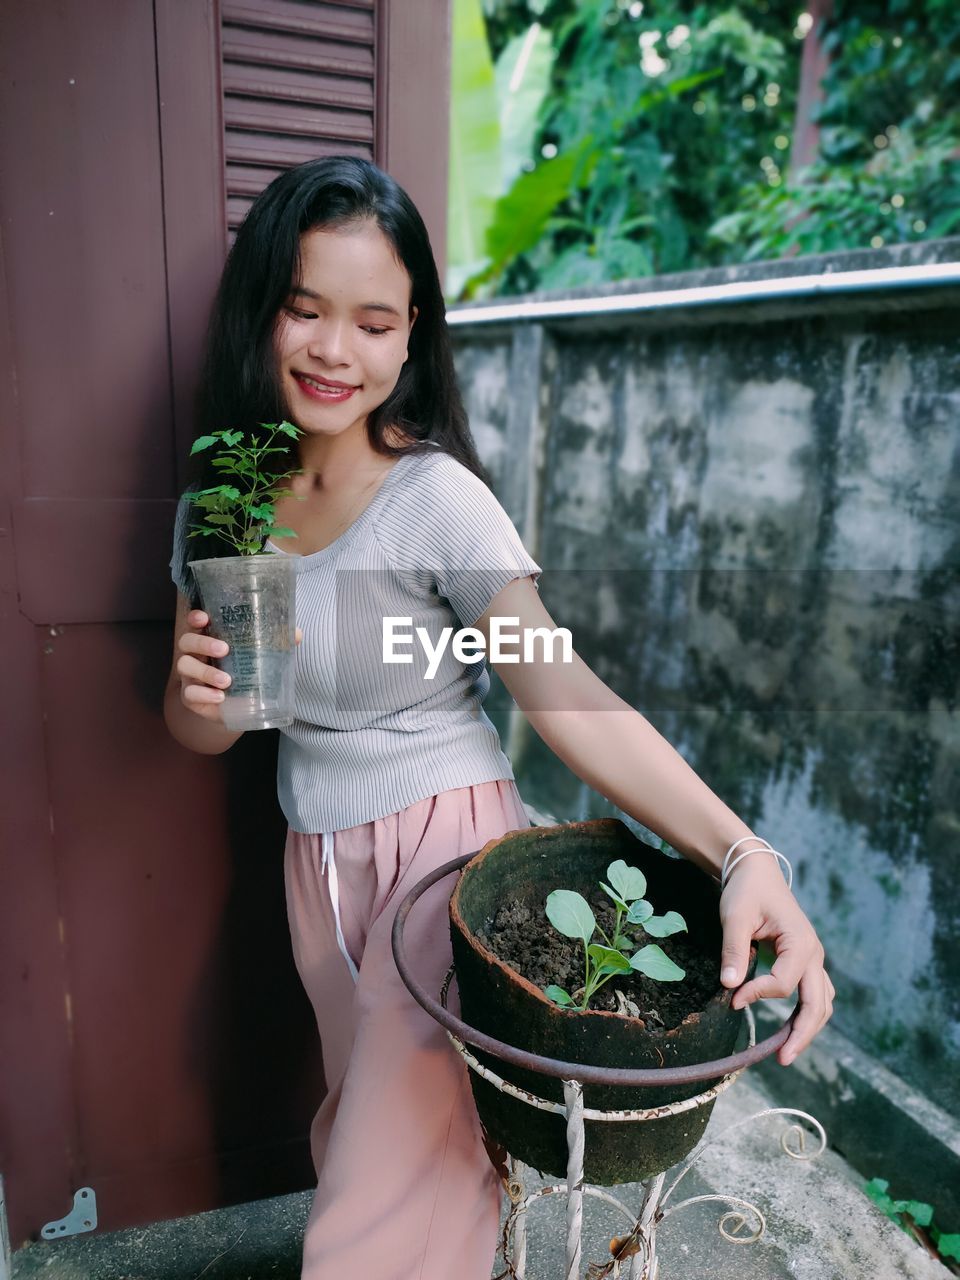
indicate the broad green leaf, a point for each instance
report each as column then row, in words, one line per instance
column 673, row 89
column 572, row 268
column 664, row 926
column 633, row 224
column 877, row 1189
column 202, row 442
column 225, row 490
column 521, row 215
column 225, row 519
column 949, row 1245
column 570, row 913
column 920, row 1212
column 629, row 882
column 607, row 960
column 262, row 511
column 652, row 962
column 557, row 995
column 232, row 437
column 944, row 225
column 278, row 531
column 615, row 896
column 624, row 944
column 475, row 180
column 289, row 429
column 639, row 912
column 522, row 78
column 622, row 259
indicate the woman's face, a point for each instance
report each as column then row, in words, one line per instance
column 342, row 335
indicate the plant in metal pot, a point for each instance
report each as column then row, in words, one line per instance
column 250, row 596
column 623, row 1004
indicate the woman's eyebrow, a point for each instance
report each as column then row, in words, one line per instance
column 302, row 292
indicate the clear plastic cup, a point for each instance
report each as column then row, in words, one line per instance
column 251, row 603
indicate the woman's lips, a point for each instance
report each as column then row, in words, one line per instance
column 325, row 392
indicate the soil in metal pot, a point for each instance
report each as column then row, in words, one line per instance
column 527, row 941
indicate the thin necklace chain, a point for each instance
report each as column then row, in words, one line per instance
column 354, row 510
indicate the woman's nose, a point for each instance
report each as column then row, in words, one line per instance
column 330, row 343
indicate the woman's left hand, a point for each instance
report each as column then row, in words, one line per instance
column 756, row 903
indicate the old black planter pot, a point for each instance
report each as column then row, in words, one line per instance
column 497, row 1000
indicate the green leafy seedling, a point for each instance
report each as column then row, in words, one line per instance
column 915, row 1217
column 240, row 511
column 570, row 914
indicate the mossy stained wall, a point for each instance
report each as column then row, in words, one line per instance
column 751, row 525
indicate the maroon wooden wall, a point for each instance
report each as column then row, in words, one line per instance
column 154, row 1040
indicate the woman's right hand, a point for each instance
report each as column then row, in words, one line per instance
column 202, row 684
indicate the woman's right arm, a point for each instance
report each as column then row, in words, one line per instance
column 192, row 704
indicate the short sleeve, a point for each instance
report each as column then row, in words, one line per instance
column 179, row 565
column 452, row 527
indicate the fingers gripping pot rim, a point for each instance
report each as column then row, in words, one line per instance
column 495, row 999
column 251, row 604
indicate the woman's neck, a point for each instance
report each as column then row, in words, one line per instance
column 331, row 462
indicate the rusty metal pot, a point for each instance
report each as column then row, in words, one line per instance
column 500, row 1002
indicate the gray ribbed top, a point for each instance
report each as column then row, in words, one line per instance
column 369, row 738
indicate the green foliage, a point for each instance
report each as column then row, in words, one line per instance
column 570, row 914
column 664, row 139
column 475, row 164
column 645, row 102
column 493, row 117
column 243, row 517
column 887, row 169
column 522, row 76
column 912, row 1214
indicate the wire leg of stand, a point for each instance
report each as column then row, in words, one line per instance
column 573, row 1100
column 652, row 1191
column 517, row 1168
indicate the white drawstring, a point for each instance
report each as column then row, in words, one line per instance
column 326, row 840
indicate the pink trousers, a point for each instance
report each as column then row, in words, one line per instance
column 405, row 1187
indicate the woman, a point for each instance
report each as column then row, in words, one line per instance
column 330, row 314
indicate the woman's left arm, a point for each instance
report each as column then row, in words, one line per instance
column 615, row 750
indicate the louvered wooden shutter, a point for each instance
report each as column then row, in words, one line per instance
column 298, row 83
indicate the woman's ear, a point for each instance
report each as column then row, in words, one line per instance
column 414, row 312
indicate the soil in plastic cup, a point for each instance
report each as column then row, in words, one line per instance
column 251, row 603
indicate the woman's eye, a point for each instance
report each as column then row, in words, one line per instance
column 302, row 315
column 372, row 328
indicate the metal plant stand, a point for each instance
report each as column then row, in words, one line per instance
column 635, row 1257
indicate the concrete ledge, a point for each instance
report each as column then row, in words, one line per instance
column 819, row 1223
column 244, row 1242
column 882, row 1126
column 572, row 309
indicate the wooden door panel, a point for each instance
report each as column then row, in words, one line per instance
column 190, row 1035
column 37, row 1114
column 87, row 300
column 156, row 1042
column 116, row 572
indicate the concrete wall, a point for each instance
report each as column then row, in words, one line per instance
column 749, row 517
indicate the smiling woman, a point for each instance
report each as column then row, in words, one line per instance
column 341, row 358
column 330, row 315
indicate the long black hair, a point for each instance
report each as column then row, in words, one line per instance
column 240, row 382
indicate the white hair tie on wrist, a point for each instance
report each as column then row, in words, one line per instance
column 764, row 847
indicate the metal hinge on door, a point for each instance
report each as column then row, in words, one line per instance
column 82, row 1217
